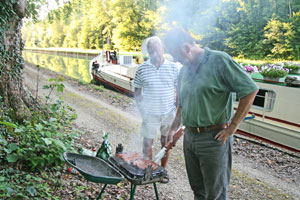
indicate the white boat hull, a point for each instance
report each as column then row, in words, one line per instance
column 281, row 126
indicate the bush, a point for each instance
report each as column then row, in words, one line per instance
column 291, row 66
column 274, row 71
column 39, row 142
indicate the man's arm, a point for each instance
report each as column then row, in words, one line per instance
column 242, row 110
column 139, row 99
column 175, row 125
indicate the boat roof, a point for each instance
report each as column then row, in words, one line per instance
column 257, row 77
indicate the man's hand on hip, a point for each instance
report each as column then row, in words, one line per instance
column 225, row 134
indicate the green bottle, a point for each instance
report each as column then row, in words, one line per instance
column 105, row 151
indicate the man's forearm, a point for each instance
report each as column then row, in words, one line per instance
column 243, row 109
column 139, row 104
column 139, row 99
column 177, row 121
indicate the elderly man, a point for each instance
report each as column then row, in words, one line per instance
column 205, row 86
column 155, row 85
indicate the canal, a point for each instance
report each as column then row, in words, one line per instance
column 76, row 67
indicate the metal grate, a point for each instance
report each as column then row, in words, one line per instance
column 135, row 175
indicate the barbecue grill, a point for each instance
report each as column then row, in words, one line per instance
column 112, row 170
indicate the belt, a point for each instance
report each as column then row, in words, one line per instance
column 207, row 128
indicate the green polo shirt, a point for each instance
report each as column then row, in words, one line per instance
column 205, row 96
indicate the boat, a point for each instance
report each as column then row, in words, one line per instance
column 114, row 71
column 274, row 117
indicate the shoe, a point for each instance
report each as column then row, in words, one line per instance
column 165, row 179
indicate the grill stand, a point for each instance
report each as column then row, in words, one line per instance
column 102, row 191
column 133, row 188
column 132, row 191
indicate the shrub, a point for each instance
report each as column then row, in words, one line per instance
column 291, row 66
column 274, row 71
column 39, row 142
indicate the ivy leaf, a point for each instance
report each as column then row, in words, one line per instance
column 12, row 158
column 59, row 143
column 18, row 130
column 52, row 119
column 31, row 190
column 39, row 127
column 9, row 124
column 12, row 147
column 10, row 190
column 2, row 140
column 47, row 141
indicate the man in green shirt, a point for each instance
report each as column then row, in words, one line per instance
column 206, row 86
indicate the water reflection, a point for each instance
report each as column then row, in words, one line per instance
column 77, row 68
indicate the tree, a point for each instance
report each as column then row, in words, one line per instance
column 134, row 21
column 279, row 37
column 295, row 23
column 12, row 91
column 13, row 95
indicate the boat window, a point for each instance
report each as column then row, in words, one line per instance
column 264, row 100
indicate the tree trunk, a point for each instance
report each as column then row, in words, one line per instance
column 16, row 99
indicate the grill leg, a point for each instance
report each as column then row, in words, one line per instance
column 102, row 191
column 133, row 187
column 156, row 192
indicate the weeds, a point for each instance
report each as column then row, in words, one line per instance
column 98, row 88
column 35, row 145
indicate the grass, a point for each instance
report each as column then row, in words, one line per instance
column 99, row 88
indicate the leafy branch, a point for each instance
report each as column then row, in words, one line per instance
column 54, row 83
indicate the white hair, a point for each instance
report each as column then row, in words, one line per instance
column 147, row 40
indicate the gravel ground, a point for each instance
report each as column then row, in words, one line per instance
column 259, row 172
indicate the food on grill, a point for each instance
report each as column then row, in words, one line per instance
column 137, row 160
column 143, row 164
column 128, row 157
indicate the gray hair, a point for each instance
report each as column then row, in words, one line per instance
column 150, row 40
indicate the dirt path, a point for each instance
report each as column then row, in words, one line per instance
column 111, row 112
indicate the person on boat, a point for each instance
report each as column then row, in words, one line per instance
column 155, row 88
column 206, row 84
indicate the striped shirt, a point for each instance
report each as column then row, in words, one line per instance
column 159, row 85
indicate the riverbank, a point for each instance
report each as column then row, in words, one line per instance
column 255, row 169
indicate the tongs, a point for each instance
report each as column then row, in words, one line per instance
column 168, row 146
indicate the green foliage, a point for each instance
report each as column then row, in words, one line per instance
column 94, row 25
column 82, row 82
column 134, row 21
column 295, row 21
column 16, row 184
column 54, row 83
column 292, row 66
column 40, row 142
column 98, row 88
column 7, row 55
column 279, row 37
column 244, row 28
column 273, row 71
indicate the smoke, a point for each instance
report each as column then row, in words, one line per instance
column 193, row 15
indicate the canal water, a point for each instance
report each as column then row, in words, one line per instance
column 75, row 67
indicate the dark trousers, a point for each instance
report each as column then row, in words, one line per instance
column 208, row 164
